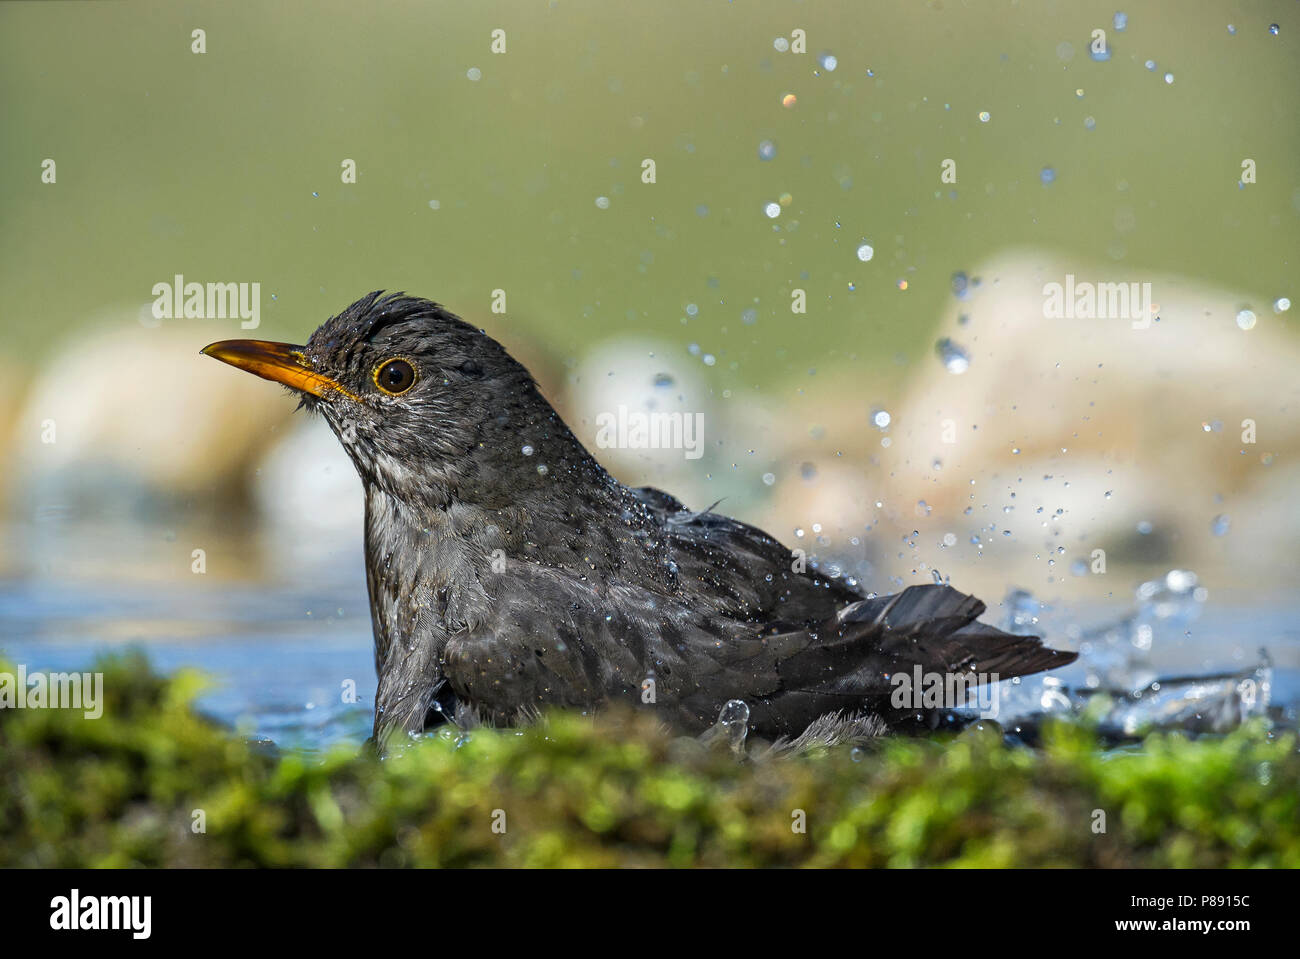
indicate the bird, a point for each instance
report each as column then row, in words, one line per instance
column 509, row 573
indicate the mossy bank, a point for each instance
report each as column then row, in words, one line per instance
column 153, row 783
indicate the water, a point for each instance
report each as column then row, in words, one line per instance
column 283, row 651
column 269, row 686
column 1169, row 660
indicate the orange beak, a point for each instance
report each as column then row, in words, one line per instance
column 280, row 362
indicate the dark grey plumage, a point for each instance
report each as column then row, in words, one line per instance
column 506, row 583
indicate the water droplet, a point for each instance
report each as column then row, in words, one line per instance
column 985, row 116
column 526, row 450
column 769, row 479
column 1246, row 320
column 1047, row 175
column 1120, row 21
column 1169, row 78
column 865, row 252
column 772, row 210
column 474, row 73
column 766, row 150
column 828, row 61
column 1281, row 304
column 789, row 100
column 955, row 358
column 1274, row 29
column 1220, row 525
column 780, row 44
column 732, row 726
column 881, row 419
column 985, row 731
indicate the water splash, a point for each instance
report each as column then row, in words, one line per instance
column 1023, row 610
column 731, row 728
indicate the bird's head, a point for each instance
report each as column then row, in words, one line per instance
column 424, row 403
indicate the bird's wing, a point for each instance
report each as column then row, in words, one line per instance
column 739, row 570
column 556, row 641
column 851, row 660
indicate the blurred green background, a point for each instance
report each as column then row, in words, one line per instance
column 226, row 165
column 522, row 171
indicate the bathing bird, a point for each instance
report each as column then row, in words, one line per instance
column 510, row 573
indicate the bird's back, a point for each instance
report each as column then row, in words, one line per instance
column 702, row 609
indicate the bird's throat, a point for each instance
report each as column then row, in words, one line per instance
column 425, row 570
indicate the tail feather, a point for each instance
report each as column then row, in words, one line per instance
column 852, row 659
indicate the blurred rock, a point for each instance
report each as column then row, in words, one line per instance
column 126, row 418
column 13, row 382
column 1065, row 436
column 310, row 499
column 645, row 376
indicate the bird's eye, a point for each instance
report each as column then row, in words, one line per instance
column 395, row 377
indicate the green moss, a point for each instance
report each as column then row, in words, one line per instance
column 124, row 790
